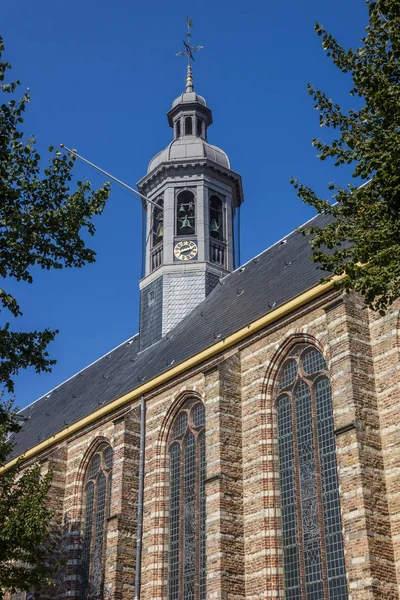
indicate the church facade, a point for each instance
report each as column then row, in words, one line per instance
column 245, row 443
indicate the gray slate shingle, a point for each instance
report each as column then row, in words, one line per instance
column 271, row 279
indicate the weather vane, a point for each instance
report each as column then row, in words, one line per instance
column 189, row 49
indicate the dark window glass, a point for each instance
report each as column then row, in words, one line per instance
column 313, row 361
column 216, row 220
column 188, row 126
column 181, row 423
column 290, row 540
column 187, row 505
column 202, row 516
column 330, row 491
column 198, row 415
column 158, row 222
column 308, row 492
column 311, row 522
column 174, row 520
column 178, row 128
column 97, row 494
column 189, row 516
column 94, row 466
column 199, row 127
column 185, row 214
column 87, row 535
column 288, row 373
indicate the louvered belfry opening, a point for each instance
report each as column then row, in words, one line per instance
column 187, row 505
column 96, row 506
column 314, row 567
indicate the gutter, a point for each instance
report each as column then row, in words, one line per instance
column 220, row 346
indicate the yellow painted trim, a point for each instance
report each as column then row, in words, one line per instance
column 209, row 352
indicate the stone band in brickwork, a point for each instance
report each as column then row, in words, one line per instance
column 244, row 552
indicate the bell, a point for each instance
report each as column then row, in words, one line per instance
column 186, row 226
column 181, row 210
column 185, row 222
column 214, row 227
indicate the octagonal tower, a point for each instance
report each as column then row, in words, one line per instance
column 190, row 237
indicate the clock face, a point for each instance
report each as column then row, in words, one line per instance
column 185, row 250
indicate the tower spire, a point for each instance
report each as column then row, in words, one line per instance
column 188, row 51
column 190, row 230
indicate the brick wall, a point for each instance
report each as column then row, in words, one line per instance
column 385, row 332
column 224, row 486
column 161, row 411
column 244, row 557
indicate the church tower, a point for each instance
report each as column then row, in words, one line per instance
column 189, row 241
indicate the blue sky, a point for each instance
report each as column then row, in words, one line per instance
column 103, row 75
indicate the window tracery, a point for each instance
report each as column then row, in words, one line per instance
column 187, row 508
column 314, row 567
column 96, row 500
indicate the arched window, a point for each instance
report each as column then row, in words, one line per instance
column 185, row 214
column 216, row 218
column 178, row 128
column 199, row 127
column 312, row 539
column 158, row 222
column 96, row 501
column 188, row 126
column 187, row 505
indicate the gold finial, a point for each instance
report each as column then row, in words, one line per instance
column 189, row 79
column 188, row 51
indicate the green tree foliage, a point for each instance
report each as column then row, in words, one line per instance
column 363, row 240
column 25, row 537
column 41, row 225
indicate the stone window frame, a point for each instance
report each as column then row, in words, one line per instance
column 88, row 555
column 174, row 437
column 296, row 352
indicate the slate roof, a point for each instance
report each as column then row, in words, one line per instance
column 269, row 280
column 186, row 148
